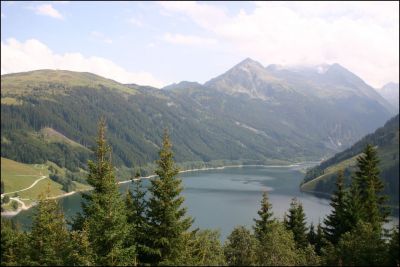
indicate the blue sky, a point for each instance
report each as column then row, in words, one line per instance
column 159, row 43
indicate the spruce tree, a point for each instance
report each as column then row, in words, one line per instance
column 240, row 248
column 296, row 222
column 311, row 235
column 335, row 222
column 104, row 211
column 167, row 222
column 320, row 240
column 370, row 186
column 49, row 239
column 263, row 224
column 136, row 206
column 353, row 210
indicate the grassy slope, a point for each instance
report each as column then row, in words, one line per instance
column 24, row 82
column 329, row 173
column 11, row 171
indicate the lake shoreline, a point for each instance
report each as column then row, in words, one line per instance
column 26, row 207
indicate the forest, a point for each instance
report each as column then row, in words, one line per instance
column 152, row 228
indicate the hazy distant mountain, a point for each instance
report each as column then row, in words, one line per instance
column 327, row 102
column 248, row 114
column 390, row 92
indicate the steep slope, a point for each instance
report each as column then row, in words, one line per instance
column 248, row 115
column 327, row 103
column 322, row 177
column 390, row 92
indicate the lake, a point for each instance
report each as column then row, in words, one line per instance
column 224, row 198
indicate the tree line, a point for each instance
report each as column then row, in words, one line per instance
column 152, row 227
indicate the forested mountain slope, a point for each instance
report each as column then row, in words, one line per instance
column 322, row 177
column 207, row 122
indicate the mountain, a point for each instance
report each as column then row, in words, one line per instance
column 322, row 177
column 390, row 92
column 250, row 114
column 327, row 103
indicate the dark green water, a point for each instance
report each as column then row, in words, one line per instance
column 222, row 199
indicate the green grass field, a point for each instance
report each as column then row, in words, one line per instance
column 17, row 176
column 330, row 172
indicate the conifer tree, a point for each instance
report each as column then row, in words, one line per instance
column 81, row 251
column 393, row 258
column 335, row 222
column 136, row 206
column 14, row 244
column 167, row 221
column 104, row 211
column 296, row 222
column 49, row 239
column 370, row 186
column 265, row 213
column 311, row 235
column 240, row 248
column 320, row 240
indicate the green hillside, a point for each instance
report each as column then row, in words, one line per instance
column 52, row 115
column 322, row 177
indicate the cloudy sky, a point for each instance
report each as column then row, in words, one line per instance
column 158, row 43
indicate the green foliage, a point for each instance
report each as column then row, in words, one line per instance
column 277, row 247
column 6, row 199
column 104, row 211
column 393, row 258
column 370, row 187
column 14, row 244
column 14, row 205
column 136, row 207
column 262, row 225
column 386, row 139
column 202, row 248
column 240, row 248
column 363, row 246
column 49, row 239
column 296, row 222
column 167, row 221
column 81, row 251
column 335, row 224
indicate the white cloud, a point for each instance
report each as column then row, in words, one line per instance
column 135, row 22
column 48, row 10
column 32, row 55
column 362, row 36
column 188, row 39
column 100, row 36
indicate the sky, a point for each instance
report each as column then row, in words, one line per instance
column 159, row 43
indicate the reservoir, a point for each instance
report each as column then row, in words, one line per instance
column 224, row 198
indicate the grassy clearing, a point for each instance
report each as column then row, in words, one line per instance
column 40, row 187
column 25, row 82
column 330, row 172
column 51, row 135
column 17, row 176
column 10, row 101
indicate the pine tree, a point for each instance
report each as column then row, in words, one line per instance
column 104, row 211
column 81, row 252
column 353, row 210
column 240, row 248
column 334, row 223
column 296, row 222
column 49, row 239
column 371, row 186
column 14, row 244
column 311, row 235
column 320, row 240
column 393, row 258
column 166, row 218
column 136, row 206
column 265, row 213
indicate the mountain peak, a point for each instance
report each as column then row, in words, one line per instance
column 249, row 62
